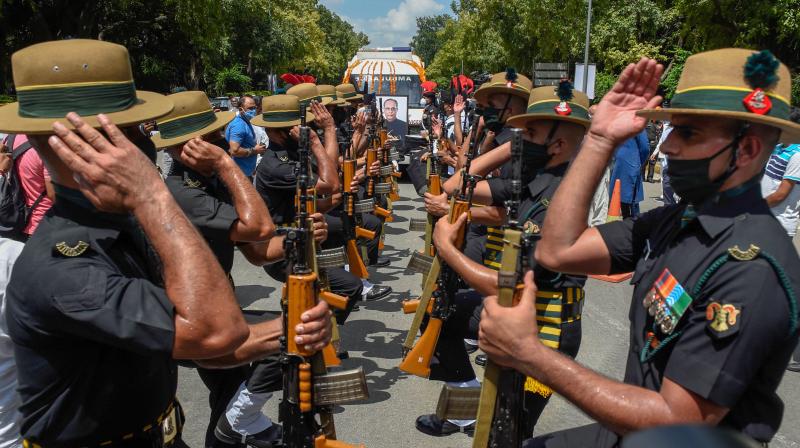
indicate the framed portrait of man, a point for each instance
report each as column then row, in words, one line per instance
column 395, row 115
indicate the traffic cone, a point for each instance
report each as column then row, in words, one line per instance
column 614, row 214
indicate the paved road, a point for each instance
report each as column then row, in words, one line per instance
column 374, row 335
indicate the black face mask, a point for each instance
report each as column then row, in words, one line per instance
column 494, row 119
column 535, row 156
column 689, row 178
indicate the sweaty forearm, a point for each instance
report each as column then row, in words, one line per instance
column 263, row 341
column 328, row 181
column 208, row 322
column 264, row 252
column 255, row 222
column 331, row 145
column 489, row 216
column 618, row 406
column 481, row 278
column 567, row 216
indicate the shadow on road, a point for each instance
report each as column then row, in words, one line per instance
column 247, row 294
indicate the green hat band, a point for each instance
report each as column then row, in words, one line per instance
column 85, row 99
column 547, row 107
column 728, row 99
column 180, row 126
column 348, row 94
column 281, row 116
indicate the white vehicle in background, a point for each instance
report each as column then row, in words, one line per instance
column 394, row 72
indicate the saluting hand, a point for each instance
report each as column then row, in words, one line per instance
column 615, row 119
column 458, row 105
column 115, row 176
column 314, row 333
column 201, row 156
column 506, row 332
column 322, row 117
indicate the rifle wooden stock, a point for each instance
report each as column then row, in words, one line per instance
column 435, row 184
column 418, row 360
column 381, row 212
column 329, row 355
column 301, row 290
column 333, row 299
column 492, row 374
column 364, row 233
column 354, row 260
column 411, row 305
column 323, row 442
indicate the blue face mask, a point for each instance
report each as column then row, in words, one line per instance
column 250, row 113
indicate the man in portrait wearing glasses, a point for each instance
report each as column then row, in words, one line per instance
column 394, row 125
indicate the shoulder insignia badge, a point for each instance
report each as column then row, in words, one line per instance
column 744, row 255
column 192, row 183
column 283, row 157
column 72, row 251
column 723, row 317
column 531, row 228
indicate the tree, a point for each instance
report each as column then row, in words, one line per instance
column 427, row 42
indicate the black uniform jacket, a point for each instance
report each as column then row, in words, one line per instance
column 733, row 343
column 92, row 326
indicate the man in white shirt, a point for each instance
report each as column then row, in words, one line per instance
column 9, row 400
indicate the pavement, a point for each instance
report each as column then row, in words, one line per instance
column 374, row 334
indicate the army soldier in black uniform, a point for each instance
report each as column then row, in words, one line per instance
column 714, row 312
column 122, row 283
column 223, row 205
column 553, row 128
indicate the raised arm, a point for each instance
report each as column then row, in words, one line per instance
column 254, row 222
column 568, row 244
column 117, row 177
column 328, row 181
column 481, row 278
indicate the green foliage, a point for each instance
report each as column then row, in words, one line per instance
column 604, row 81
column 673, row 73
column 232, row 79
column 427, row 42
column 192, row 43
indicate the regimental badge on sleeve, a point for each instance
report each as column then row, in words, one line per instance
column 723, row 319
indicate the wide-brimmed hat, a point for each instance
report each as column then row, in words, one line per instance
column 348, row 92
column 191, row 117
column 329, row 91
column 734, row 83
column 559, row 102
column 507, row 82
column 89, row 77
column 280, row 111
column 307, row 92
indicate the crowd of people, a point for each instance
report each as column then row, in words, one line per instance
column 115, row 271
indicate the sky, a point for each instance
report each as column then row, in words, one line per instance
column 388, row 23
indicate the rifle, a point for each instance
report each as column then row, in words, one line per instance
column 440, row 285
column 307, row 388
column 421, row 261
column 376, row 138
column 349, row 223
column 502, row 415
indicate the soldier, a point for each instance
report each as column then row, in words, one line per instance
column 124, row 284
column 714, row 312
column 553, row 128
column 222, row 204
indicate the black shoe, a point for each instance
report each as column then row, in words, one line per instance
column 431, row 425
column 342, row 355
column 381, row 262
column 481, row 360
column 470, row 348
column 793, row 367
column 378, row 292
column 267, row 438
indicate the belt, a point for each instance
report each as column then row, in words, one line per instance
column 164, row 430
column 555, row 308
